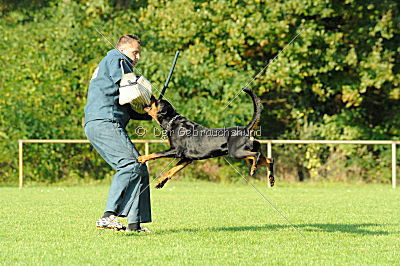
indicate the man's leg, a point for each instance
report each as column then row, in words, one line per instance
column 129, row 194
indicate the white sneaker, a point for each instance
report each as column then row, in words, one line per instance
column 110, row 222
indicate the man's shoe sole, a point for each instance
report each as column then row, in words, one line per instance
column 111, row 228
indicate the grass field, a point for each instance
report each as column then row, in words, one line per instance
column 205, row 223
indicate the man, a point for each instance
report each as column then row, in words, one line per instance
column 105, row 122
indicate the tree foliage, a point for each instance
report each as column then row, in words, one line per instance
column 338, row 79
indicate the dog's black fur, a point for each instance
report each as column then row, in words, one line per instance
column 190, row 141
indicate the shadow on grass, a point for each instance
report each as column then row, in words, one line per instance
column 362, row 229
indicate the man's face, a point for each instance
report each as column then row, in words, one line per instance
column 132, row 50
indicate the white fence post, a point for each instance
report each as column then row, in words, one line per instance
column 269, row 149
column 394, row 165
column 20, row 163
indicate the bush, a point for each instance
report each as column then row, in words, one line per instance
column 340, row 75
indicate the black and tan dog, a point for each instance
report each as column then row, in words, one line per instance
column 190, row 141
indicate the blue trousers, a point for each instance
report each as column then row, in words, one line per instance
column 129, row 194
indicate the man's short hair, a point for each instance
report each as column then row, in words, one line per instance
column 127, row 39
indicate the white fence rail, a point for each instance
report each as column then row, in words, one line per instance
column 269, row 144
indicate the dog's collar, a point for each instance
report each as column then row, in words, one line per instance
column 170, row 122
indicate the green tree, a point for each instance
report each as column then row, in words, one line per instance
column 338, row 79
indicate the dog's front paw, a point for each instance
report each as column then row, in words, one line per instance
column 142, row 159
column 161, row 183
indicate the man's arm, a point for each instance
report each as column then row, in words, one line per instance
column 115, row 70
column 116, row 75
column 136, row 116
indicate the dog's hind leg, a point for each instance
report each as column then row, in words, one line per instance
column 253, row 160
column 240, row 147
column 269, row 162
column 180, row 165
column 249, row 160
column 247, row 155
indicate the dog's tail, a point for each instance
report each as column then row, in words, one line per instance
column 257, row 109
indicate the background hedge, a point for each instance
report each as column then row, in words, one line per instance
column 339, row 79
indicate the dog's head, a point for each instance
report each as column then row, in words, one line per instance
column 160, row 109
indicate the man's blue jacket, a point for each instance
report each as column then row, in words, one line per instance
column 103, row 95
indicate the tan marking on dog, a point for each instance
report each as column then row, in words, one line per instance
column 253, row 164
column 265, row 161
column 144, row 158
column 161, row 182
column 153, row 111
column 269, row 163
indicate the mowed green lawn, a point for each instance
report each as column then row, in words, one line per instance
column 205, row 223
